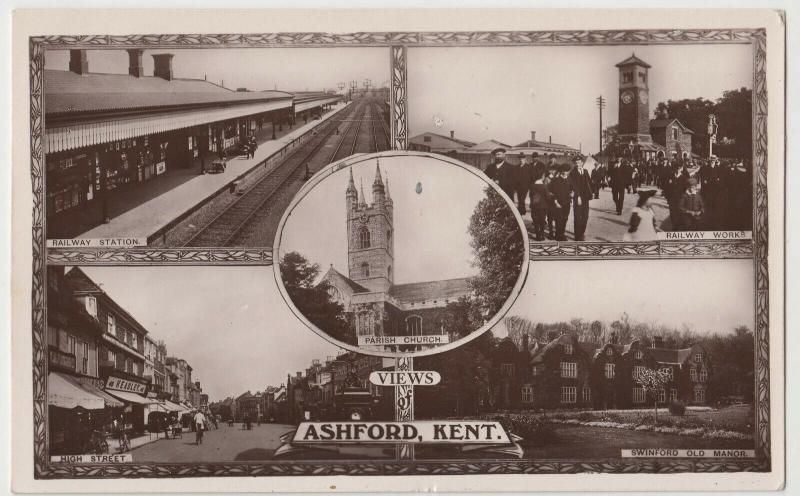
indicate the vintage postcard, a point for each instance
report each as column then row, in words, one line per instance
column 504, row 250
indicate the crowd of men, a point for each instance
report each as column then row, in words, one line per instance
column 701, row 194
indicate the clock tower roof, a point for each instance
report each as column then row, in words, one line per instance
column 633, row 60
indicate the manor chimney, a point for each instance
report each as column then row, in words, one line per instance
column 452, row 134
column 533, row 136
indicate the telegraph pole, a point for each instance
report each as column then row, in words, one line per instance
column 601, row 104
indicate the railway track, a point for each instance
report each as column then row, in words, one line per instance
column 235, row 223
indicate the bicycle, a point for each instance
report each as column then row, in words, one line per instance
column 124, row 442
column 97, row 443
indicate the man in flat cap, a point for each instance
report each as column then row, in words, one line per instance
column 561, row 190
column 582, row 194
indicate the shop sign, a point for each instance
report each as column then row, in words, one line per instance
column 57, row 359
column 119, row 384
column 161, row 168
column 92, row 381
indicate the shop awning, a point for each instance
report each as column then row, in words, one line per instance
column 64, row 392
column 131, row 397
column 109, row 400
column 172, row 407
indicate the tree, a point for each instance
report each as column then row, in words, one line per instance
column 653, row 382
column 497, row 247
column 312, row 300
column 518, row 327
column 610, row 135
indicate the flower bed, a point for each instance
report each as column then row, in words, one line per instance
column 663, row 429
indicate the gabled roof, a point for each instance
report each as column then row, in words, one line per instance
column 335, row 274
column 67, row 91
column 633, row 59
column 659, row 123
column 488, row 145
column 461, row 142
column 543, row 144
column 431, row 290
column 588, row 348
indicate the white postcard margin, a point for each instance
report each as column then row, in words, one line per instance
column 34, row 23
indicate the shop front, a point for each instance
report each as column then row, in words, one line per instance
column 131, row 390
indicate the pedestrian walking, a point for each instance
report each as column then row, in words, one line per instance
column 618, row 177
column 562, row 194
column 583, row 193
column 540, row 205
column 692, row 207
column 199, row 423
column 550, row 174
column 642, row 226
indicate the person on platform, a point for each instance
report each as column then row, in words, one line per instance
column 583, row 192
column 507, row 176
column 692, row 206
column 540, row 205
column 561, row 190
column 642, row 226
column 618, row 177
column 199, row 423
column 674, row 187
column 550, row 173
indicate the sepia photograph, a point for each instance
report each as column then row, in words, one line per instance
column 199, row 148
column 406, row 267
column 293, row 249
column 584, row 366
column 598, row 143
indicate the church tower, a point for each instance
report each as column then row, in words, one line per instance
column 634, row 101
column 370, row 235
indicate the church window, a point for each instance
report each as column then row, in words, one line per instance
column 414, row 325
column 363, row 238
column 674, row 133
column 365, row 269
column 366, row 324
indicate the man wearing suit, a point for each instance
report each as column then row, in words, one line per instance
column 506, row 175
column 561, row 190
column 618, row 178
column 582, row 193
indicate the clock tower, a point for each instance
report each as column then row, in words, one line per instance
column 634, row 103
column 370, row 235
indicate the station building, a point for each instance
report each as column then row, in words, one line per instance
column 104, row 132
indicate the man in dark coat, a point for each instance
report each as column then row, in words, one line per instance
column 674, row 187
column 582, row 193
column 618, row 178
column 506, row 175
column 561, row 190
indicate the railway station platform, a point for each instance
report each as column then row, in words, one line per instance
column 145, row 216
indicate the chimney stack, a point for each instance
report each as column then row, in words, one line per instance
column 163, row 65
column 452, row 134
column 135, row 68
column 78, row 62
column 550, row 139
column 533, row 135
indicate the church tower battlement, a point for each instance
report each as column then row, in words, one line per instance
column 370, row 234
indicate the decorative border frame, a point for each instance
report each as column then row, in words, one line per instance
column 398, row 42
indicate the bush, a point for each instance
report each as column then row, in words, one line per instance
column 533, row 430
column 677, row 408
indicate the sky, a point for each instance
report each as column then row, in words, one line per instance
column 288, row 69
column 504, row 93
column 430, row 227
column 230, row 323
column 708, row 295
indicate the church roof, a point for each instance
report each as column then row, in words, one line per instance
column 431, row 290
column 633, row 59
column 354, row 286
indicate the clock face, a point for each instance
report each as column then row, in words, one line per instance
column 643, row 96
column 626, row 97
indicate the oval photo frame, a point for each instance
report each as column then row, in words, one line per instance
column 353, row 160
